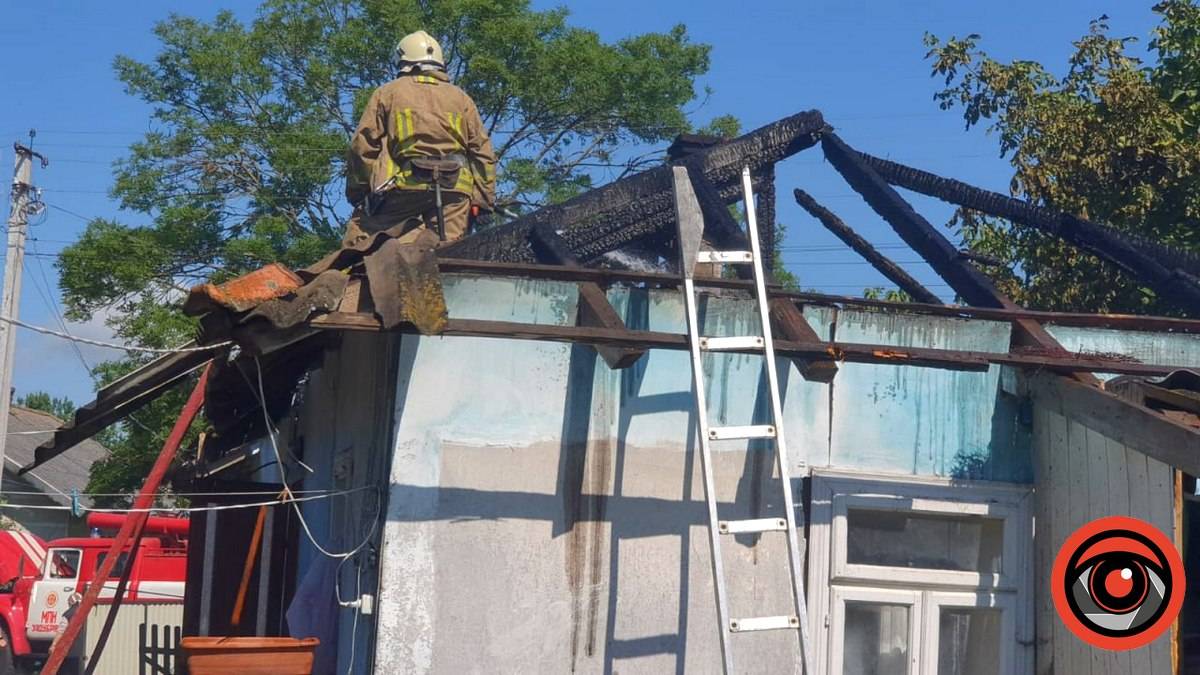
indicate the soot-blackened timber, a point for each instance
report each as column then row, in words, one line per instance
column 637, row 206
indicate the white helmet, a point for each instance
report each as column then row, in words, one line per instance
column 418, row 49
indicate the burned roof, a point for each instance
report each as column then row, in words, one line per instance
column 385, row 284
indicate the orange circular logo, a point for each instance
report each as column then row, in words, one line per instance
column 51, row 599
column 1117, row 583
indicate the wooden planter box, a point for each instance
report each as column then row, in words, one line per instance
column 249, row 655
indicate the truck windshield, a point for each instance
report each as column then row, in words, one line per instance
column 64, row 563
column 118, row 569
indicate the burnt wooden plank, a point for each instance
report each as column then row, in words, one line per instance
column 789, row 324
column 880, row 262
column 664, row 280
column 628, row 209
column 971, row 284
column 1130, row 424
column 119, row 399
column 829, row 351
column 1169, row 271
column 594, row 308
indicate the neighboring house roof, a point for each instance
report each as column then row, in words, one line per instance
column 59, row 476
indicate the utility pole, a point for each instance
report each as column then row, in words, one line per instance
column 26, row 201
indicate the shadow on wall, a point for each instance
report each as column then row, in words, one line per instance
column 1009, row 454
column 596, row 513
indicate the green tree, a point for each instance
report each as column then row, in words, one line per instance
column 243, row 164
column 888, row 294
column 61, row 407
column 1113, row 139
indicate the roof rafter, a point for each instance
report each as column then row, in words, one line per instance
column 1169, row 271
column 861, row 246
column 614, row 215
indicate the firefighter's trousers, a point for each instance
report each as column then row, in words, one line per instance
column 405, row 213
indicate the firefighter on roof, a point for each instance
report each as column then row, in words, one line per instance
column 420, row 142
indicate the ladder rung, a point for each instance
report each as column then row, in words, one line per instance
column 732, row 433
column 764, row 623
column 725, row 257
column 727, row 344
column 753, row 525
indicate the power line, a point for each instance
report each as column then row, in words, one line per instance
column 70, row 213
column 292, row 499
column 110, row 345
column 52, row 305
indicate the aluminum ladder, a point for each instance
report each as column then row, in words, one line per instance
column 691, row 227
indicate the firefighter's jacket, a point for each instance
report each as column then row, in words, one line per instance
column 420, row 115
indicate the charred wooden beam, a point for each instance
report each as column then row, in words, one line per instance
column 594, row 308
column 933, row 246
column 608, row 217
column 827, row 351
column 880, row 262
column 663, row 280
column 118, row 400
column 1171, row 272
column 764, row 206
column 720, row 229
column 788, row 323
column 971, row 284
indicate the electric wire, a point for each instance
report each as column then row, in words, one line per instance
column 293, row 499
column 111, row 345
column 287, row 490
column 52, row 304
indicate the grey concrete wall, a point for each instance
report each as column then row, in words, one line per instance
column 546, row 514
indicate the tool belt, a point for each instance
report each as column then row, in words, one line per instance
column 420, row 170
column 441, row 170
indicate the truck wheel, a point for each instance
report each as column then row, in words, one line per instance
column 7, row 665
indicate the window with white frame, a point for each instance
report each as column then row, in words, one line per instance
column 913, row 576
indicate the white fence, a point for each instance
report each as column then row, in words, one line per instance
column 144, row 639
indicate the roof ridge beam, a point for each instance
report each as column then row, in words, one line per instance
column 1139, row 257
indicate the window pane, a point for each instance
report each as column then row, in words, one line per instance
column 118, row 569
column 876, row 639
column 968, row 641
column 64, row 563
column 907, row 539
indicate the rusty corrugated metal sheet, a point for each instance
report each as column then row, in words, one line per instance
column 245, row 292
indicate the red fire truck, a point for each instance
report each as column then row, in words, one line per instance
column 39, row 579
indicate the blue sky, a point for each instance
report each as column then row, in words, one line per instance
column 860, row 62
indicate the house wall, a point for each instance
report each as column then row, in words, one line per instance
column 1082, row 475
column 47, row 520
column 545, row 513
column 342, row 432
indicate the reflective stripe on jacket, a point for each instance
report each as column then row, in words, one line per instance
column 420, row 115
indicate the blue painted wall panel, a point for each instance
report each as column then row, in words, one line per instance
column 1172, row 349
column 878, row 417
column 925, row 421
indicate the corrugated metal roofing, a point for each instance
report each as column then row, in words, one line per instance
column 59, row 476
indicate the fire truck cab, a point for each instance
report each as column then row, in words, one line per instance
column 40, row 579
column 71, row 566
